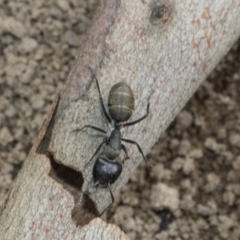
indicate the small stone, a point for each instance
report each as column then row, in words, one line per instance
column 236, row 76
column 222, row 133
column 211, row 144
column 206, row 211
column 188, row 166
column 233, row 176
column 10, row 111
column 6, row 167
column 29, row 72
column 202, row 224
column 163, row 196
column 56, row 64
column 235, row 139
column 18, row 133
column 6, row 180
column 63, row 4
column 200, row 122
column 196, row 153
column 225, row 225
column 177, row 164
column 129, row 224
column 39, row 54
column 157, row 172
column 76, row 3
column 187, row 204
column 236, row 163
column 213, row 220
column 213, row 182
column 228, row 156
column 185, row 119
column 122, row 213
column 174, row 143
column 131, row 199
column 4, row 103
column 162, row 236
column 229, row 198
column 37, row 102
column 13, row 26
column 71, row 39
column 186, row 184
column 184, row 148
column 5, row 136
column 27, row 45
column 139, row 223
column 235, row 188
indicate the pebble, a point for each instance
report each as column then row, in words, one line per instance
column 5, row 136
column 225, row 225
column 205, row 210
column 159, row 173
column 13, row 26
column 213, row 182
column 185, row 119
column 187, row 204
column 229, row 198
column 236, row 163
column 222, row 133
column 71, row 39
column 196, row 153
column 211, row 144
column 63, row 4
column 27, row 45
column 162, row 196
column 188, row 166
column 234, row 139
column 184, row 148
column 177, row 164
column 10, row 111
column 202, row 224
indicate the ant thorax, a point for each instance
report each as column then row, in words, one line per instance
column 111, row 127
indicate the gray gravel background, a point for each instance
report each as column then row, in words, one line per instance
column 193, row 190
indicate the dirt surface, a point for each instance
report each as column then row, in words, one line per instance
column 193, row 190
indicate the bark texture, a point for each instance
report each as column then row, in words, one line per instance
column 163, row 49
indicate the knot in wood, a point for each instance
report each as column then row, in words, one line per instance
column 160, row 11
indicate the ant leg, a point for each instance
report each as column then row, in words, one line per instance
column 95, row 153
column 112, row 197
column 91, row 126
column 101, row 100
column 133, row 142
column 138, row 120
column 91, row 186
column 86, row 190
column 125, row 151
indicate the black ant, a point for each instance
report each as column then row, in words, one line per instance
column 121, row 107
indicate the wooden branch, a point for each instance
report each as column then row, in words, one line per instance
column 163, row 49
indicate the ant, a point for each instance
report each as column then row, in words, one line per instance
column 121, row 107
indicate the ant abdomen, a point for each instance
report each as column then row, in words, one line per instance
column 121, row 102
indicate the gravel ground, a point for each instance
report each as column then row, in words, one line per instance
column 193, row 190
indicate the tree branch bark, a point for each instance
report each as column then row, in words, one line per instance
column 163, row 49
